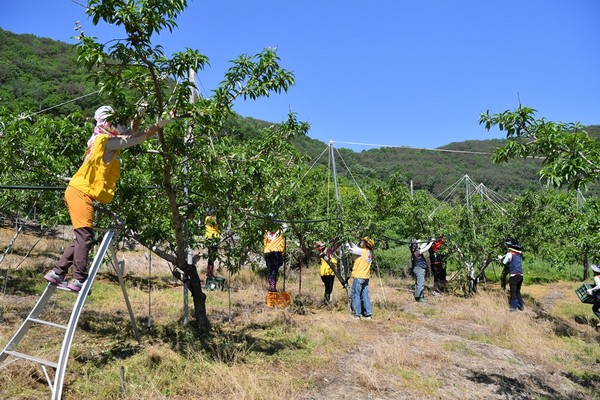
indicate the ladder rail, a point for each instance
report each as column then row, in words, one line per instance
column 33, row 315
column 75, row 314
column 56, row 384
column 120, row 270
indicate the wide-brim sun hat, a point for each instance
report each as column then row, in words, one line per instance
column 514, row 246
column 596, row 268
column 369, row 241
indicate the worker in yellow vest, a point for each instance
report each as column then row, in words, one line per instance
column 327, row 256
column 274, row 247
column 96, row 180
column 361, row 273
column 212, row 236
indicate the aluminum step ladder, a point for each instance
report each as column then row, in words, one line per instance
column 56, row 385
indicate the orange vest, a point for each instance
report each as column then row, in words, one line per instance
column 96, row 179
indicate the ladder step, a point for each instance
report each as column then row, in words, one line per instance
column 65, row 289
column 41, row 321
column 32, row 358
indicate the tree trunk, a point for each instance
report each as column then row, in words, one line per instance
column 586, row 267
column 199, row 299
column 182, row 260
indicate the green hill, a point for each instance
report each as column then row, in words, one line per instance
column 40, row 74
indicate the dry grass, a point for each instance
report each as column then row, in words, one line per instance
column 448, row 348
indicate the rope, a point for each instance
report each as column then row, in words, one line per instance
column 352, row 176
column 306, row 221
column 313, row 164
column 19, row 229
column 21, row 262
column 454, row 187
column 58, row 105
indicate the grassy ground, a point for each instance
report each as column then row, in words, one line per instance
column 448, row 348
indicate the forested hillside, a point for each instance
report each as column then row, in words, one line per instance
column 40, row 74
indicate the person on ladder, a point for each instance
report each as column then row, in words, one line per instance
column 274, row 247
column 96, row 180
column 212, row 236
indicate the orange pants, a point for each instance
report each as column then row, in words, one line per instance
column 81, row 210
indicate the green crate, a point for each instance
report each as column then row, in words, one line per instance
column 584, row 297
column 215, row 283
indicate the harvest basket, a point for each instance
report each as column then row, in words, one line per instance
column 584, row 297
column 278, row 299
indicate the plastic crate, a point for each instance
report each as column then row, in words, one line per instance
column 215, row 283
column 278, row 299
column 584, row 297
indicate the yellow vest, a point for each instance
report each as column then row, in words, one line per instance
column 325, row 268
column 362, row 265
column 274, row 242
column 96, row 179
column 212, row 228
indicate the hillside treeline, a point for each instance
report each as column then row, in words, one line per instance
column 39, row 74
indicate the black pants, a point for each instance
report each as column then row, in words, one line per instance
column 274, row 260
column 515, row 283
column 439, row 276
column 596, row 307
column 328, row 282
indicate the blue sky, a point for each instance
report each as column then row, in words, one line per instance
column 389, row 72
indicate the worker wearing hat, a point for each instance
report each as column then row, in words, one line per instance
column 419, row 265
column 514, row 260
column 595, row 292
column 361, row 273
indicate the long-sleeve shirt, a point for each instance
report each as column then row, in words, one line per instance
column 362, row 265
column 514, row 262
column 418, row 260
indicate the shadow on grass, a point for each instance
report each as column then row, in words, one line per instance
column 27, row 281
column 512, row 388
column 219, row 344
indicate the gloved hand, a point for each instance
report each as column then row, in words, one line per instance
column 500, row 257
column 590, row 292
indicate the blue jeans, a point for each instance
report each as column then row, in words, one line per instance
column 420, row 282
column 361, row 304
